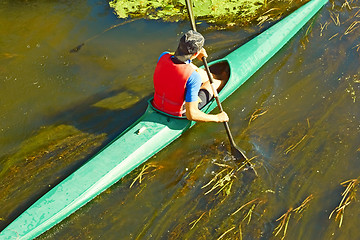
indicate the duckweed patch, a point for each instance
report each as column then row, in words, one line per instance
column 227, row 12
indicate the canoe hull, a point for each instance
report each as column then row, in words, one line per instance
column 147, row 136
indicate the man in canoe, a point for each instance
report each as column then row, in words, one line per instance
column 181, row 88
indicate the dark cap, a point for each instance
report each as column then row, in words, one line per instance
column 191, row 42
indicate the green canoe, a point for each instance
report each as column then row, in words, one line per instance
column 152, row 132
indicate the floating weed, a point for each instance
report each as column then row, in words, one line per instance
column 240, row 232
column 256, row 114
column 285, row 218
column 226, row 232
column 352, row 27
column 77, row 48
column 253, row 203
column 335, row 18
column 247, row 162
column 292, row 147
column 196, row 221
column 303, row 205
column 284, row 222
column 308, row 30
column 143, row 171
column 348, row 195
column 222, row 181
column 308, row 122
column 192, row 171
column 142, row 188
column 223, row 165
column 322, row 27
column 346, row 4
column 333, row 36
column 269, row 15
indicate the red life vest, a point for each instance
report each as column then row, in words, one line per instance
column 169, row 83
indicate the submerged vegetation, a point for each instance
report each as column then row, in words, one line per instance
column 46, row 157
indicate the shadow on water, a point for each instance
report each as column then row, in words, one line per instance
column 77, row 148
column 89, row 117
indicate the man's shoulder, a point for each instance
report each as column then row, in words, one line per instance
column 194, row 79
column 164, row 53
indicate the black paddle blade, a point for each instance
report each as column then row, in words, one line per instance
column 240, row 155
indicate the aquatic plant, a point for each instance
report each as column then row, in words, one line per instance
column 253, row 203
column 175, row 10
column 257, row 113
column 285, row 218
column 348, row 195
column 144, row 171
column 224, row 179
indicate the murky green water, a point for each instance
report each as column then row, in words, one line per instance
column 58, row 108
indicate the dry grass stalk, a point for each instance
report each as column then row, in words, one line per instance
column 352, row 27
column 222, row 235
column 304, row 204
column 308, row 122
column 348, row 195
column 196, row 221
column 222, row 165
column 246, row 162
column 214, row 178
column 256, row 114
column 223, row 183
column 292, row 147
column 285, row 218
column 249, row 214
column 248, row 203
column 322, row 27
column 240, row 232
column 143, row 171
column 284, row 222
column 346, row 4
column 335, row 18
column 268, row 16
column 253, row 203
column 333, row 36
column 308, row 31
column 357, row 14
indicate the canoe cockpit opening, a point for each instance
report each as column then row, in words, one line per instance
column 220, row 70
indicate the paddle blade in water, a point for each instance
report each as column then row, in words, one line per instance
column 238, row 154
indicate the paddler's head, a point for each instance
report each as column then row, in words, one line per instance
column 189, row 46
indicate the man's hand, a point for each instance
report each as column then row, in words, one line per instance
column 222, row 117
column 194, row 114
column 202, row 53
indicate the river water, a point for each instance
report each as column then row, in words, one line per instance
column 298, row 116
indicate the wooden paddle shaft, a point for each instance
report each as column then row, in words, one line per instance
column 191, row 14
column 216, row 96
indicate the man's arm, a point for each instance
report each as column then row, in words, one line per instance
column 194, row 114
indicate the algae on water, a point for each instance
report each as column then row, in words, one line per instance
column 175, row 10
